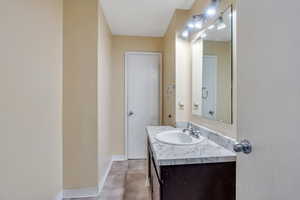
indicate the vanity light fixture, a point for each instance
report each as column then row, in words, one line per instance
column 198, row 21
column 221, row 24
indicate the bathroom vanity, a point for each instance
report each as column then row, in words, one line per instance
column 184, row 168
column 203, row 171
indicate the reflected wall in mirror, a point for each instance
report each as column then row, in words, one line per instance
column 212, row 70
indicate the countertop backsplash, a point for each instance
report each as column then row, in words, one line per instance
column 216, row 137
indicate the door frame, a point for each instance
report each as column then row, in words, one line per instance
column 127, row 53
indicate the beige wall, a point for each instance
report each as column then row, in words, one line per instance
column 120, row 45
column 169, row 74
column 183, row 80
column 80, row 93
column 104, row 94
column 31, row 99
column 176, row 71
column 87, row 94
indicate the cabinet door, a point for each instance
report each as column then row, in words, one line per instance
column 155, row 183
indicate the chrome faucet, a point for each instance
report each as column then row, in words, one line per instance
column 193, row 132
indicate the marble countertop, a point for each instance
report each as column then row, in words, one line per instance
column 206, row 151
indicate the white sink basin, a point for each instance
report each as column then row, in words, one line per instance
column 177, row 137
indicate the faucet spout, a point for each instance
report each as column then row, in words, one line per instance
column 192, row 131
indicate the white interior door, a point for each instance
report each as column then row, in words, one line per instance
column 143, row 99
column 209, row 86
column 268, row 48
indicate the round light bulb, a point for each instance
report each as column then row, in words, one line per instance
column 185, row 34
column 191, row 25
column 198, row 25
column 211, row 11
column 211, row 27
column 221, row 26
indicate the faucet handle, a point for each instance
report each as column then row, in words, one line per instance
column 196, row 133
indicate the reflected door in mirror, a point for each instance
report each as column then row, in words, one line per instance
column 209, row 90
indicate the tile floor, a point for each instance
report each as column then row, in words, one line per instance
column 126, row 181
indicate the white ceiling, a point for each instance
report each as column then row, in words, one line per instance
column 141, row 17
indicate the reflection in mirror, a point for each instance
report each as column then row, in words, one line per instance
column 212, row 70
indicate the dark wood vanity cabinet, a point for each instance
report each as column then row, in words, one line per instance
column 213, row 181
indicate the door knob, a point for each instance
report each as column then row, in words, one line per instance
column 130, row 113
column 211, row 113
column 244, row 147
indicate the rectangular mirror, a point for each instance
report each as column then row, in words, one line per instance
column 212, row 70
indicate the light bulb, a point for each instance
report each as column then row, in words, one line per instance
column 221, row 26
column 185, row 34
column 191, row 25
column 198, row 25
column 211, row 11
column 211, row 27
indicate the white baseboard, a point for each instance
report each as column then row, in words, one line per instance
column 102, row 182
column 88, row 192
column 92, row 191
column 59, row 196
column 118, row 158
column 80, row 193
